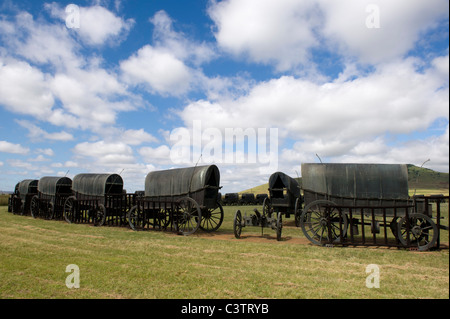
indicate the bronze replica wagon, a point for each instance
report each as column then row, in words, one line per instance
column 52, row 193
column 96, row 198
column 344, row 202
column 182, row 199
column 20, row 200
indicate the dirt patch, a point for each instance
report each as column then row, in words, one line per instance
column 271, row 238
column 254, row 238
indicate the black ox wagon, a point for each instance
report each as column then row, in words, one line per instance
column 96, row 198
column 20, row 200
column 184, row 199
column 344, row 202
column 284, row 195
column 52, row 193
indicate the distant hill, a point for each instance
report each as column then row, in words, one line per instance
column 423, row 180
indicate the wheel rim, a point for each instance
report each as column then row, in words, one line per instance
column 212, row 219
column 423, row 232
column 51, row 211
column 267, row 207
column 69, row 209
column 100, row 215
column 297, row 213
column 279, row 226
column 315, row 220
column 132, row 217
column 189, row 216
column 237, row 224
column 22, row 208
column 34, row 207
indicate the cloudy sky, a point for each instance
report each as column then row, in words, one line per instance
column 255, row 86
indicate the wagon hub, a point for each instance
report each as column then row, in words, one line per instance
column 416, row 231
column 323, row 222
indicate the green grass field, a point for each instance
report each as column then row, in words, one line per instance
column 116, row 262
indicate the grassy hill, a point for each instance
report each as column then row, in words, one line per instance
column 420, row 180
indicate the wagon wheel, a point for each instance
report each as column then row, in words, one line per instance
column 100, row 215
column 50, row 211
column 423, row 231
column 212, row 218
column 189, row 216
column 34, row 206
column 237, row 224
column 279, row 226
column 316, row 218
column 298, row 212
column 69, row 209
column 133, row 218
column 267, row 207
column 394, row 226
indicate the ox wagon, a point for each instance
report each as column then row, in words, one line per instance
column 260, row 198
column 184, row 199
column 96, row 197
column 21, row 199
column 248, row 199
column 52, row 194
column 284, row 196
column 343, row 199
column 231, row 199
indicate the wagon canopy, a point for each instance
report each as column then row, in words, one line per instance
column 182, row 181
column 50, row 185
column 360, row 181
column 97, row 184
column 280, row 180
column 28, row 186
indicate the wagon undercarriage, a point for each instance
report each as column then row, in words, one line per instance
column 184, row 216
column 325, row 223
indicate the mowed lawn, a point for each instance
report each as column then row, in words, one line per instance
column 116, row 262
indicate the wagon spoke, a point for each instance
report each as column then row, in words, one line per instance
column 421, row 231
column 237, row 224
column 212, row 218
column 317, row 217
column 189, row 216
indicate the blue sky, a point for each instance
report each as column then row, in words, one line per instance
column 132, row 87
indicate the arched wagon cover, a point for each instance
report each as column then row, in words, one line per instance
column 280, row 180
column 359, row 181
column 97, row 184
column 182, row 181
column 50, row 185
column 28, row 186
